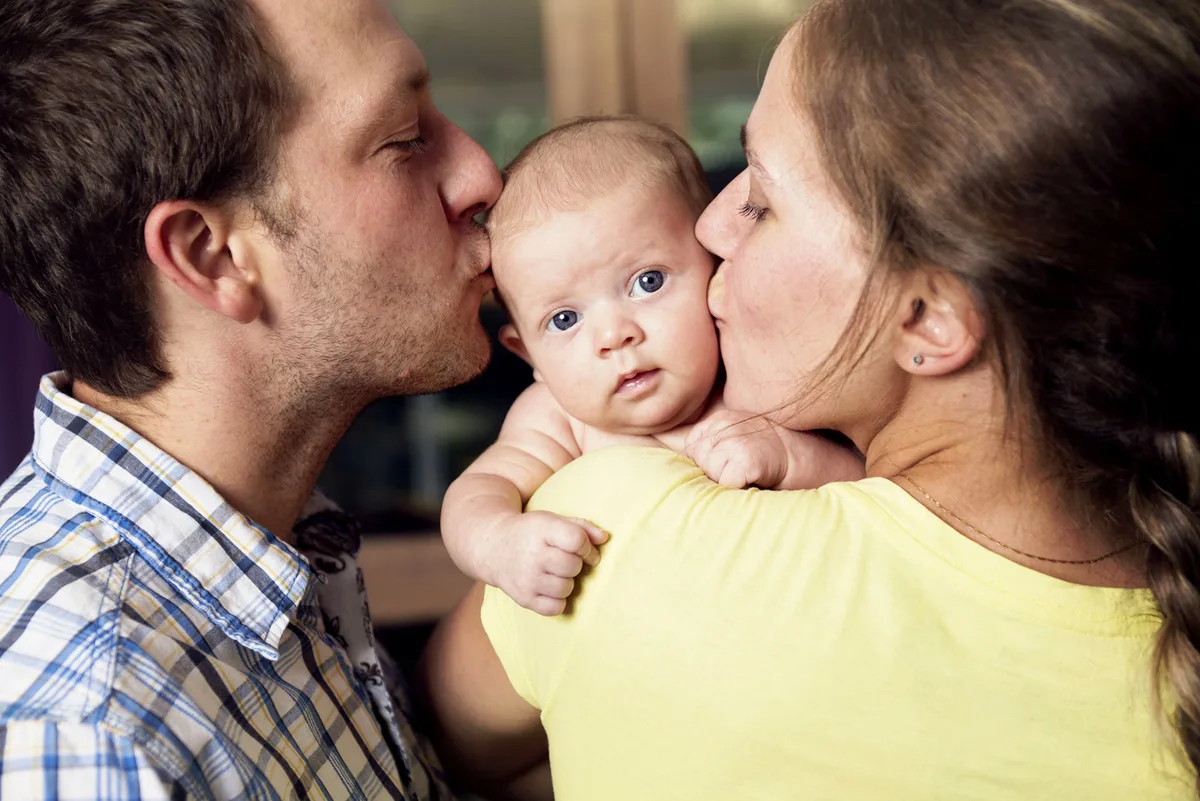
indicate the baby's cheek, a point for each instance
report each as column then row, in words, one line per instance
column 716, row 294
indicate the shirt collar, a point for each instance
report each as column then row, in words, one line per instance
column 244, row 579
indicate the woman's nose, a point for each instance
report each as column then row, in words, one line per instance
column 718, row 229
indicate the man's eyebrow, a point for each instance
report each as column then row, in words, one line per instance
column 400, row 93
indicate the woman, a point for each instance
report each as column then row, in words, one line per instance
column 964, row 240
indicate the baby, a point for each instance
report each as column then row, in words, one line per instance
column 606, row 287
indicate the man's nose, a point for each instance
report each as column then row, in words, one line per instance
column 471, row 182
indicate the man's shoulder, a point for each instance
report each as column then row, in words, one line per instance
column 61, row 577
column 44, row 530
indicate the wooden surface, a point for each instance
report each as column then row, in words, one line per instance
column 410, row 578
column 585, row 70
column 615, row 57
column 657, row 63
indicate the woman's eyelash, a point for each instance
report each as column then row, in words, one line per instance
column 752, row 211
column 415, row 145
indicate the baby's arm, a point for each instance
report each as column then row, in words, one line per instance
column 740, row 450
column 535, row 556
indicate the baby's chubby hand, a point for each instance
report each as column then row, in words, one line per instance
column 540, row 554
column 737, row 452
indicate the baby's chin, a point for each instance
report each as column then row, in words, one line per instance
column 641, row 421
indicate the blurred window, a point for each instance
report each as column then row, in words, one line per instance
column 487, row 64
column 728, row 48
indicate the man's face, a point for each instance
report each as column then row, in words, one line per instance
column 377, row 289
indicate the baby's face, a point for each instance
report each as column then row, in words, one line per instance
column 611, row 307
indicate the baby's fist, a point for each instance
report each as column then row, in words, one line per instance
column 737, row 452
column 545, row 554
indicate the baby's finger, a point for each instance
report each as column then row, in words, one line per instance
column 549, row 607
column 567, row 535
column 692, row 439
column 588, row 553
column 734, row 474
column 563, row 564
column 554, row 586
column 597, row 535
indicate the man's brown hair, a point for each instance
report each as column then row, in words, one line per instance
column 107, row 108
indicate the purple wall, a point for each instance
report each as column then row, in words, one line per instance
column 23, row 360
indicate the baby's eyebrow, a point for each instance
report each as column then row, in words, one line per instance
column 532, row 311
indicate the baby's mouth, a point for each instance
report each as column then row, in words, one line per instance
column 637, row 381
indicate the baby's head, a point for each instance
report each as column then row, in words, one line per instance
column 597, row 263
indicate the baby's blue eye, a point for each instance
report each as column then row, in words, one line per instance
column 564, row 320
column 649, row 282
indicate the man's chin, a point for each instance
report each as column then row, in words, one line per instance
column 454, row 363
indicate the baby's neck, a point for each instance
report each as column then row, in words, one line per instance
column 591, row 438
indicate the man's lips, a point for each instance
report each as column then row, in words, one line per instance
column 486, row 279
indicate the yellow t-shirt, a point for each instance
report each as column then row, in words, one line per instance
column 840, row 643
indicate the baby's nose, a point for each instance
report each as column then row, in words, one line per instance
column 619, row 334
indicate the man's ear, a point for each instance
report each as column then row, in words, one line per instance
column 198, row 248
column 941, row 330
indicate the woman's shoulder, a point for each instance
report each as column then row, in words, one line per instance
column 621, row 486
column 618, row 467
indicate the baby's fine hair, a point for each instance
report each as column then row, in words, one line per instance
column 569, row 167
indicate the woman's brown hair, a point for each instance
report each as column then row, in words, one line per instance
column 1046, row 153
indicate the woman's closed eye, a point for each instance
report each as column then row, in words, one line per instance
column 563, row 320
column 648, row 283
column 753, row 211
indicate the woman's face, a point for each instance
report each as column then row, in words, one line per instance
column 791, row 271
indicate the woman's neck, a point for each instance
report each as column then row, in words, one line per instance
column 952, row 447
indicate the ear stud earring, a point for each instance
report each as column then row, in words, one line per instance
column 918, row 360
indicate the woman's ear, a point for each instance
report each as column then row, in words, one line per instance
column 199, row 249
column 941, row 328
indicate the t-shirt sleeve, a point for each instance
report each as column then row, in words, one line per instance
column 501, row 620
column 615, row 488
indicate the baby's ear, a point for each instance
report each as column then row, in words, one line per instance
column 510, row 339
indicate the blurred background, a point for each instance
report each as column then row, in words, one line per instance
column 505, row 71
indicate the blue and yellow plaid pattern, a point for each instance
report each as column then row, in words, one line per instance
column 154, row 643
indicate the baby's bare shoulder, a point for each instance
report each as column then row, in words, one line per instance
column 536, row 417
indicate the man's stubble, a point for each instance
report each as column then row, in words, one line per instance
column 367, row 330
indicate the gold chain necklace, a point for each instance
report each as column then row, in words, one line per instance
column 1027, row 555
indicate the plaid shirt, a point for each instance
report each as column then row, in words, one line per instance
column 154, row 643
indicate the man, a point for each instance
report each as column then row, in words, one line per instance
column 236, row 222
